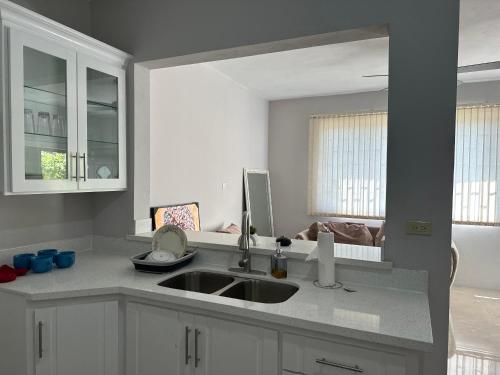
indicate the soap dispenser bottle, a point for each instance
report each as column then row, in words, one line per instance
column 279, row 263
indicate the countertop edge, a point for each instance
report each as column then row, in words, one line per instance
column 240, row 312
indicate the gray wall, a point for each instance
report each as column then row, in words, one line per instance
column 205, row 128
column 72, row 13
column 478, row 245
column 38, row 218
column 422, row 59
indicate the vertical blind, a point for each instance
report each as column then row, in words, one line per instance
column 347, row 165
column 476, row 197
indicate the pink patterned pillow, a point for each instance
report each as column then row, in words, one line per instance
column 185, row 216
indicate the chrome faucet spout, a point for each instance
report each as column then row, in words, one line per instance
column 244, row 245
column 244, row 241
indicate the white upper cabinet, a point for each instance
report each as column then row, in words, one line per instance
column 64, row 118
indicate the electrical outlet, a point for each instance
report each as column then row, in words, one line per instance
column 421, row 228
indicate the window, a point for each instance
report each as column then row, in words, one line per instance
column 476, row 196
column 347, row 165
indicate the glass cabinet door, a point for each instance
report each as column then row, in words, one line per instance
column 43, row 113
column 101, row 95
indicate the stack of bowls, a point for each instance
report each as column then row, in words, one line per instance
column 44, row 260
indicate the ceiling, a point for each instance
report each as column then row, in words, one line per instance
column 337, row 69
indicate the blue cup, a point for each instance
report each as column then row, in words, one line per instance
column 42, row 263
column 48, row 252
column 23, row 260
column 65, row 259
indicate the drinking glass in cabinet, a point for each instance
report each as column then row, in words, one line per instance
column 29, row 121
column 59, row 125
column 44, row 123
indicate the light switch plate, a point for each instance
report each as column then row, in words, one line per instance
column 421, row 228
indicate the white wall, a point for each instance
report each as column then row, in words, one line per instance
column 478, row 245
column 479, row 249
column 205, row 129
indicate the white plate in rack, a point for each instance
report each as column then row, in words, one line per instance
column 170, row 238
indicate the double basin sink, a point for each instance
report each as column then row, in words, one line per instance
column 228, row 285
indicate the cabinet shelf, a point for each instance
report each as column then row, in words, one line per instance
column 100, row 106
column 44, row 97
column 45, row 141
column 44, row 91
column 103, row 142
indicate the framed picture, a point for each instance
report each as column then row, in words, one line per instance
column 186, row 216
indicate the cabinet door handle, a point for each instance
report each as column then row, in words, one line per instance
column 294, row 372
column 196, row 358
column 325, row 362
column 73, row 166
column 40, row 340
column 186, row 347
column 84, row 157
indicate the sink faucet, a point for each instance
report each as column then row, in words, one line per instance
column 245, row 262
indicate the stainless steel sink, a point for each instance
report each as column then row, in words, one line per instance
column 226, row 285
column 261, row 291
column 198, row 281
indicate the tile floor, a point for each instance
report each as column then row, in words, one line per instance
column 475, row 316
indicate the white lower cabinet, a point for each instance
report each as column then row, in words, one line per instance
column 229, row 348
column 155, row 341
column 308, row 356
column 78, row 339
column 166, row 342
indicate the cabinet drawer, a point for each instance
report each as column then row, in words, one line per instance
column 307, row 356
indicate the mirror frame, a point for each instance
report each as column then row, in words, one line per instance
column 247, row 193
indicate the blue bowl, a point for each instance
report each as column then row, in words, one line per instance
column 48, row 252
column 23, row 260
column 64, row 259
column 42, row 263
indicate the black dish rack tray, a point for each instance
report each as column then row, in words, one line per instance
column 143, row 265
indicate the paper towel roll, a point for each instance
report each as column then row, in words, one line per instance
column 326, row 259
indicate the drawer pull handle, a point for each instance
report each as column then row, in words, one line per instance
column 186, row 347
column 355, row 368
column 40, row 340
column 196, row 358
column 294, row 372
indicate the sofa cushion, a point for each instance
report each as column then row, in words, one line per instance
column 314, row 229
column 354, row 234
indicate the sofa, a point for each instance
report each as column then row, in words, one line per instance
column 345, row 232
